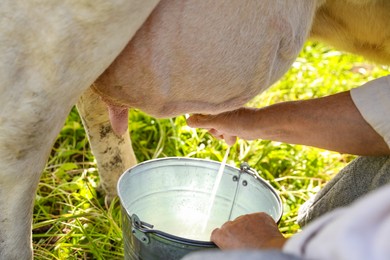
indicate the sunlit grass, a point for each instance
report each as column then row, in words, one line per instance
column 70, row 219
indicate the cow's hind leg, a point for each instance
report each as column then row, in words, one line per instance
column 114, row 154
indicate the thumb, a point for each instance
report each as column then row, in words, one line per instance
column 201, row 121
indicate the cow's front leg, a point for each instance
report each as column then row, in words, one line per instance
column 114, row 154
column 16, row 201
column 27, row 133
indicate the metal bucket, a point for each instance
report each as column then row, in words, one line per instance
column 164, row 204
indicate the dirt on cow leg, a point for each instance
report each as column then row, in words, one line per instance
column 114, row 154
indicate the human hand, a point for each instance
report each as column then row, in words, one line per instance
column 228, row 125
column 252, row 231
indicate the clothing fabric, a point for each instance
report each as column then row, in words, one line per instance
column 240, row 255
column 359, row 232
column 373, row 102
column 361, row 176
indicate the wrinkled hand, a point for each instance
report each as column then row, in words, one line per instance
column 228, row 125
column 252, row 231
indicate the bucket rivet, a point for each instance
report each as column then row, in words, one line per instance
column 235, row 178
column 244, row 183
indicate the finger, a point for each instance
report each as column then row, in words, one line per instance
column 215, row 235
column 230, row 140
column 200, row 121
column 214, row 132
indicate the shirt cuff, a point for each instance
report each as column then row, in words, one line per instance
column 373, row 102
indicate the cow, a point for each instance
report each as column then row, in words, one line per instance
column 165, row 58
column 163, row 64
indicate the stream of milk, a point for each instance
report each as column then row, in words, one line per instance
column 196, row 223
column 215, row 189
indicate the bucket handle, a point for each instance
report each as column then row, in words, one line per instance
column 244, row 167
column 140, row 228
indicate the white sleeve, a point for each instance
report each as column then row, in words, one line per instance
column 360, row 232
column 373, row 102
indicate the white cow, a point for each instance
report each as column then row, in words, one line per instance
column 190, row 56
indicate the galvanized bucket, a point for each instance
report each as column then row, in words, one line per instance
column 165, row 203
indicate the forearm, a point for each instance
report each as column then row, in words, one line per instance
column 331, row 122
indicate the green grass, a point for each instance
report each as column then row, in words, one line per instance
column 70, row 219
